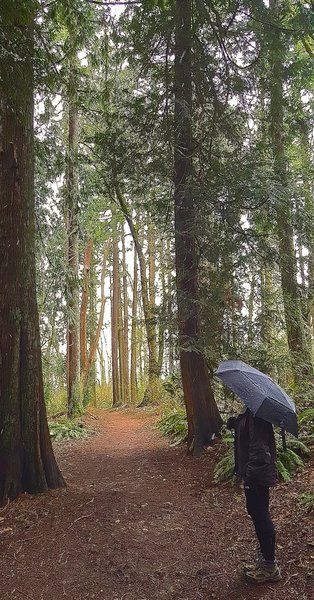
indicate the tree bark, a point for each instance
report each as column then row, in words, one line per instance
column 133, row 374
column 116, row 399
column 121, row 343
column 149, row 316
column 90, row 362
column 125, row 322
column 27, row 463
column 84, row 303
column 202, row 412
column 73, row 292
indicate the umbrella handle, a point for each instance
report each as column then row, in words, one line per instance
column 283, row 437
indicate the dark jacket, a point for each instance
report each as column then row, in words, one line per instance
column 255, row 450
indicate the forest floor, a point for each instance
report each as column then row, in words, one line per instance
column 142, row 521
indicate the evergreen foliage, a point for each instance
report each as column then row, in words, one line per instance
column 67, row 430
column 288, row 461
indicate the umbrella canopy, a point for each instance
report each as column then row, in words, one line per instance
column 265, row 398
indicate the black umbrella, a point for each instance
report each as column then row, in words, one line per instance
column 260, row 394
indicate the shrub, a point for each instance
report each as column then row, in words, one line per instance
column 173, row 424
column 306, row 419
column 66, row 430
column 288, row 461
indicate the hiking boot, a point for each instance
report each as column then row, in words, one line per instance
column 259, row 558
column 264, row 572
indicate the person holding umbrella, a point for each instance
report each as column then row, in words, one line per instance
column 255, row 453
column 255, row 463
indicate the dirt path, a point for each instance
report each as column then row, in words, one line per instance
column 141, row 521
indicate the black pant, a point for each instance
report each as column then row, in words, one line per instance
column 257, row 505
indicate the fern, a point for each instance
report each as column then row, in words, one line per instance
column 66, row 430
column 288, row 461
column 224, row 469
column 307, row 416
column 306, row 501
column 283, row 472
column 173, row 424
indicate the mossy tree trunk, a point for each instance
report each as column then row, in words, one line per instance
column 202, row 412
column 73, row 290
column 27, row 463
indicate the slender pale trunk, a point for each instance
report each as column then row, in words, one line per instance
column 163, row 307
column 125, row 322
column 84, row 303
column 170, row 310
column 121, row 343
column 149, row 315
column 96, row 335
column 73, row 308
column 133, row 377
column 202, row 413
column 116, row 398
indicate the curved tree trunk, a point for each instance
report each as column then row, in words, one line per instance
column 27, row 463
column 149, row 316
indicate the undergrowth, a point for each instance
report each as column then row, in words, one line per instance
column 67, row 430
column 306, row 501
column 173, row 424
column 288, row 461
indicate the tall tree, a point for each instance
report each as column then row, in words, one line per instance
column 300, row 356
column 116, row 398
column 27, row 463
column 134, row 341
column 203, row 416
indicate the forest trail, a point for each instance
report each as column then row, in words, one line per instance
column 142, row 521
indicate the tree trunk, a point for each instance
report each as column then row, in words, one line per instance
column 202, row 412
column 27, row 463
column 306, row 166
column 90, row 363
column 266, row 319
column 121, row 344
column 148, row 314
column 73, row 292
column 133, row 376
column 116, row 399
column 125, row 322
column 84, row 303
column 163, row 309
column 300, row 356
column 171, row 336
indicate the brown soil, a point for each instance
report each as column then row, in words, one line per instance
column 140, row 521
